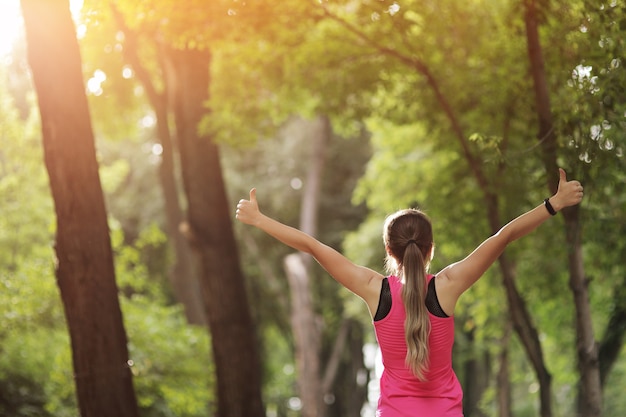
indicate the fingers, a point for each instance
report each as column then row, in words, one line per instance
column 576, row 191
column 246, row 208
column 571, row 192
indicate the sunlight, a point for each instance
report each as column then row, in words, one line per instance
column 12, row 23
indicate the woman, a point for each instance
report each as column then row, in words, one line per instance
column 411, row 310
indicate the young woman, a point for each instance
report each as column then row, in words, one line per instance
column 413, row 311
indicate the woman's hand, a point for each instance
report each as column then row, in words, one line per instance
column 248, row 210
column 568, row 194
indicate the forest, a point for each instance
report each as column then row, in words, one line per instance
column 129, row 130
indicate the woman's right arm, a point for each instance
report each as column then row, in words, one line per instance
column 458, row 277
column 362, row 281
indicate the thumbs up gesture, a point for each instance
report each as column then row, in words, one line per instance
column 248, row 210
column 569, row 193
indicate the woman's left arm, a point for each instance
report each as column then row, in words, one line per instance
column 463, row 274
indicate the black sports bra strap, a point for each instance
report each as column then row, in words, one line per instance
column 432, row 301
column 384, row 302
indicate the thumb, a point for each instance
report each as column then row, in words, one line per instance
column 253, row 195
column 562, row 178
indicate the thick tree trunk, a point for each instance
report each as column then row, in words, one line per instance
column 590, row 396
column 183, row 275
column 306, row 330
column 85, row 270
column 233, row 338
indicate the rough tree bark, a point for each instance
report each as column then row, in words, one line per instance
column 590, row 392
column 84, row 270
column 210, row 230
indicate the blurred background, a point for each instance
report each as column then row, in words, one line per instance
column 338, row 112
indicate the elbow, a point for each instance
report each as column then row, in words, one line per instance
column 504, row 237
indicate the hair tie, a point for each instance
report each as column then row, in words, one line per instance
column 411, row 241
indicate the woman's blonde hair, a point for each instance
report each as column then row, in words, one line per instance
column 408, row 239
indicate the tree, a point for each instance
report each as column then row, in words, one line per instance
column 176, row 79
column 371, row 43
column 305, row 327
column 183, row 274
column 211, row 235
column 451, row 110
column 85, row 269
column 281, row 169
column 587, row 348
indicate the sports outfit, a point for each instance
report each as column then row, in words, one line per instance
column 402, row 394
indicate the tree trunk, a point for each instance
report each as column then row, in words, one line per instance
column 345, row 377
column 522, row 320
column 233, row 338
column 476, row 376
column 85, row 270
column 590, row 396
column 306, row 330
column 503, row 381
column 183, row 275
column 529, row 337
column 613, row 338
column 306, row 335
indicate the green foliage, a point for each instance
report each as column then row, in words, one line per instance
column 614, row 401
column 26, row 365
column 25, row 210
column 171, row 366
column 382, row 62
column 132, row 271
column 277, row 167
column 171, row 360
column 497, row 129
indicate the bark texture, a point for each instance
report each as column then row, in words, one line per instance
column 84, row 270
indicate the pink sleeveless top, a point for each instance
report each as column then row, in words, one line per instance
column 401, row 393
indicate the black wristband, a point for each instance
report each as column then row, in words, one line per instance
column 549, row 207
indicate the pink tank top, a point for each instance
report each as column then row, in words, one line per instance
column 401, row 393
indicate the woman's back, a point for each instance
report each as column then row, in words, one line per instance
column 403, row 394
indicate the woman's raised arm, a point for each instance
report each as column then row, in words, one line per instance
column 362, row 281
column 458, row 277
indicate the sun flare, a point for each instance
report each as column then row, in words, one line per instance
column 11, row 25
